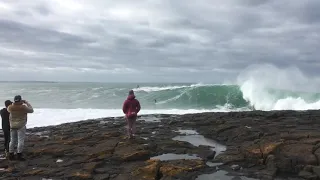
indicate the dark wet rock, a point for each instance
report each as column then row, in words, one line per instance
column 156, row 169
column 175, row 167
column 94, row 150
column 265, row 145
column 293, row 157
column 101, row 177
column 315, row 170
column 316, row 152
column 149, row 171
column 230, row 157
column 307, row 175
column 266, row 174
column 308, row 168
column 205, row 152
column 284, row 141
column 131, row 151
column 271, row 163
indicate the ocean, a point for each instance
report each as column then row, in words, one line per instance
column 57, row 103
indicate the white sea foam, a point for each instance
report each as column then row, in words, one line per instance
column 153, row 89
column 47, row 117
column 256, row 81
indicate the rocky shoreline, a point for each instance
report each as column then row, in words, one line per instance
column 234, row 145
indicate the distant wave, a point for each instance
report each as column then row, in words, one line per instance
column 265, row 87
column 250, row 92
column 164, row 88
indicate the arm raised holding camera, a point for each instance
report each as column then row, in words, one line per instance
column 29, row 108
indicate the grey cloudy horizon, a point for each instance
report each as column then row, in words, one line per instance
column 155, row 40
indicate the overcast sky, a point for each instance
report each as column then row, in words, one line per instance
column 155, row 40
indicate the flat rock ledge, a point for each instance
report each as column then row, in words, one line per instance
column 260, row 145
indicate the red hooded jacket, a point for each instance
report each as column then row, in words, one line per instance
column 131, row 107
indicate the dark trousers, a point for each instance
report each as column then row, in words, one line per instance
column 131, row 126
column 6, row 134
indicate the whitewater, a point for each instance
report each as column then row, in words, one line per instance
column 265, row 87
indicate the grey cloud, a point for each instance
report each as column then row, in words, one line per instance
column 253, row 3
column 166, row 40
column 38, row 39
column 193, row 40
column 42, row 10
column 310, row 12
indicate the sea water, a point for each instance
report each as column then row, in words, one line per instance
column 57, row 103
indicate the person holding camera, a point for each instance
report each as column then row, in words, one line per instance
column 18, row 121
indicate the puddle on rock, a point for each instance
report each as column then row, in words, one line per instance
column 171, row 156
column 211, row 164
column 2, row 157
column 59, row 161
column 198, row 140
column 150, row 119
column 187, row 132
column 42, row 134
column 103, row 122
column 221, row 175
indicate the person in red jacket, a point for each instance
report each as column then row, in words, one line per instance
column 131, row 108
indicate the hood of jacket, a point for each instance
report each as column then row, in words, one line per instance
column 131, row 97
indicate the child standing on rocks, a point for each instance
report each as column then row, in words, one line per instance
column 18, row 121
column 131, row 108
column 6, row 126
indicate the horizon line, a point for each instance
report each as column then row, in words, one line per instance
column 38, row 81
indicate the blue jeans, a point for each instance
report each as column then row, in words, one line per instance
column 17, row 138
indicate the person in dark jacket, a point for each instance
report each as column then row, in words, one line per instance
column 6, row 125
column 131, row 108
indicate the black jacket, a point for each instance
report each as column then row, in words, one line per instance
column 5, row 119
